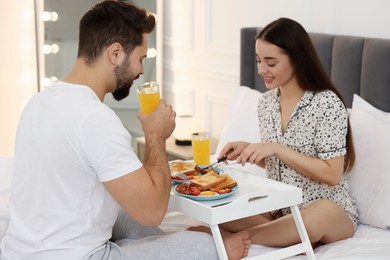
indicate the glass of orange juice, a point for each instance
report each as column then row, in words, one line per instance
column 201, row 148
column 148, row 96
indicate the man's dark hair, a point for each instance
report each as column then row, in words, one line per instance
column 109, row 22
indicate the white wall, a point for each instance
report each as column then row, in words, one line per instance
column 201, row 46
column 201, row 51
column 18, row 71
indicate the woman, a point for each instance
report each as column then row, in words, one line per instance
column 306, row 141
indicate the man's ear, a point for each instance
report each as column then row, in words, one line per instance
column 115, row 53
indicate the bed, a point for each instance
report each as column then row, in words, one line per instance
column 360, row 68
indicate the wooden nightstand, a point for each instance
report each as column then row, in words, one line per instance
column 174, row 151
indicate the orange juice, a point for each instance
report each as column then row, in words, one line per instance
column 201, row 149
column 148, row 96
column 148, row 101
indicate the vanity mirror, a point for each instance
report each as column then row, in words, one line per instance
column 61, row 40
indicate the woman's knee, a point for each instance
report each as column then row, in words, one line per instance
column 321, row 217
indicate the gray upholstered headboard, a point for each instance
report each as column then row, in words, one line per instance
column 356, row 65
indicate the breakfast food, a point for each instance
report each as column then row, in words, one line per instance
column 208, row 193
column 188, row 168
column 208, row 180
column 203, row 170
column 187, row 189
column 228, row 183
column 210, row 184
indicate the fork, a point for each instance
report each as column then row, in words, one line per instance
column 223, row 159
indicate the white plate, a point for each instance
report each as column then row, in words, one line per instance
column 179, row 181
column 203, row 198
column 216, row 169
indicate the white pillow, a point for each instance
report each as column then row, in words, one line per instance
column 369, row 179
column 243, row 124
column 6, row 166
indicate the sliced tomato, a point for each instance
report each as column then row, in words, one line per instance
column 195, row 191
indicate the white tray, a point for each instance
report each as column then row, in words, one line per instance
column 255, row 195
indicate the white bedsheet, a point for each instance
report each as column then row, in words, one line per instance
column 367, row 243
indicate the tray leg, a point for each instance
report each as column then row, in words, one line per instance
column 218, row 242
column 302, row 232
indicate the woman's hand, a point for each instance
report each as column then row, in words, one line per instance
column 243, row 152
column 256, row 153
column 232, row 150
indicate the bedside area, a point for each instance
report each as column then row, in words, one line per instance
column 174, row 151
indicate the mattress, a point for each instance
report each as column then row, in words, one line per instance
column 367, row 243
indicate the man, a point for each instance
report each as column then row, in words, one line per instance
column 74, row 165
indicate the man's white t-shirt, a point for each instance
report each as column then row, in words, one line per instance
column 68, row 143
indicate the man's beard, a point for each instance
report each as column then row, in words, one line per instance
column 124, row 80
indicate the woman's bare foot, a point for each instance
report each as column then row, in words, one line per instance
column 236, row 244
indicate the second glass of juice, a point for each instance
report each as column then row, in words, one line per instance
column 201, row 148
column 148, row 96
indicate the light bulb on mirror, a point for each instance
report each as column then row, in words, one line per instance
column 152, row 53
column 47, row 81
column 53, row 16
column 47, row 48
column 53, row 78
column 49, row 16
column 54, row 48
